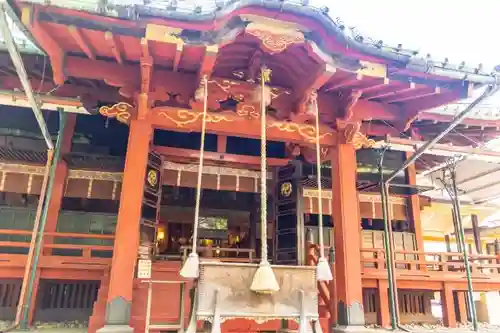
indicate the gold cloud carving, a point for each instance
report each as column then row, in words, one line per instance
column 184, row 117
column 121, row 111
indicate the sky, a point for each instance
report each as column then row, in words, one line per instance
column 458, row 30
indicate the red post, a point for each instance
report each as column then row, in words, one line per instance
column 347, row 237
column 448, row 306
column 127, row 229
column 462, row 307
column 384, row 315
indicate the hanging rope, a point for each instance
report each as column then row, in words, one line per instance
column 314, row 101
column 264, row 280
column 265, row 77
column 190, row 269
column 323, row 272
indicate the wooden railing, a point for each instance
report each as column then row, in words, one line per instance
column 432, row 261
column 60, row 241
column 222, row 254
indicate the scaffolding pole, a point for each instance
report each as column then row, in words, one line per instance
column 453, row 193
column 388, row 247
column 23, row 76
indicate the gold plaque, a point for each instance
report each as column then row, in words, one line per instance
column 286, row 189
column 152, row 178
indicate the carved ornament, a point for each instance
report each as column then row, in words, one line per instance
column 184, row 117
column 307, row 132
column 122, row 111
column 275, row 39
column 353, row 135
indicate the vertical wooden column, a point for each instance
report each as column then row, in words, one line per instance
column 477, row 234
column 59, row 182
column 414, row 205
column 448, row 306
column 462, row 307
column 384, row 315
column 127, row 229
column 345, row 209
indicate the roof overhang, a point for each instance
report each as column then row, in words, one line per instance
column 49, row 103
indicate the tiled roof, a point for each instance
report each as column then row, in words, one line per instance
column 201, row 10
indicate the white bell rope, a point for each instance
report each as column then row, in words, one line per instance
column 323, row 271
column 190, row 269
column 264, row 280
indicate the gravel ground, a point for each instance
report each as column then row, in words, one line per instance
column 81, row 327
column 72, row 326
column 425, row 328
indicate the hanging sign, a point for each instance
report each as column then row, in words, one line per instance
column 144, row 268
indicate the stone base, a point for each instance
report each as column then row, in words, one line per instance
column 115, row 329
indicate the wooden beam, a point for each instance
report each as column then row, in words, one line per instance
column 425, row 93
column 322, row 75
column 345, row 82
column 114, row 45
column 384, row 94
column 230, row 124
column 29, row 17
column 221, row 143
column 80, row 40
column 218, row 157
column 376, row 87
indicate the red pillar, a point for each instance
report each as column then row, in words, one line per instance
column 384, row 315
column 462, row 307
column 448, row 306
column 127, row 229
column 347, row 237
column 59, row 182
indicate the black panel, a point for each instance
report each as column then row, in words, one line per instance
column 287, row 213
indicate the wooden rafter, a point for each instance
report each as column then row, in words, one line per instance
column 384, row 94
column 435, row 91
column 114, row 45
column 344, row 83
column 374, row 88
column 80, row 39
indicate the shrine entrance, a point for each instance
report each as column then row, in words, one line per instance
column 228, row 225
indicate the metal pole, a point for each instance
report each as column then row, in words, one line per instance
column 490, row 90
column 388, row 248
column 39, row 240
column 461, row 233
column 22, row 305
column 23, row 76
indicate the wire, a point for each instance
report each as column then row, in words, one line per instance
column 407, row 136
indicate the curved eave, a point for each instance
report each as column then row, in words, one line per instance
column 332, row 37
